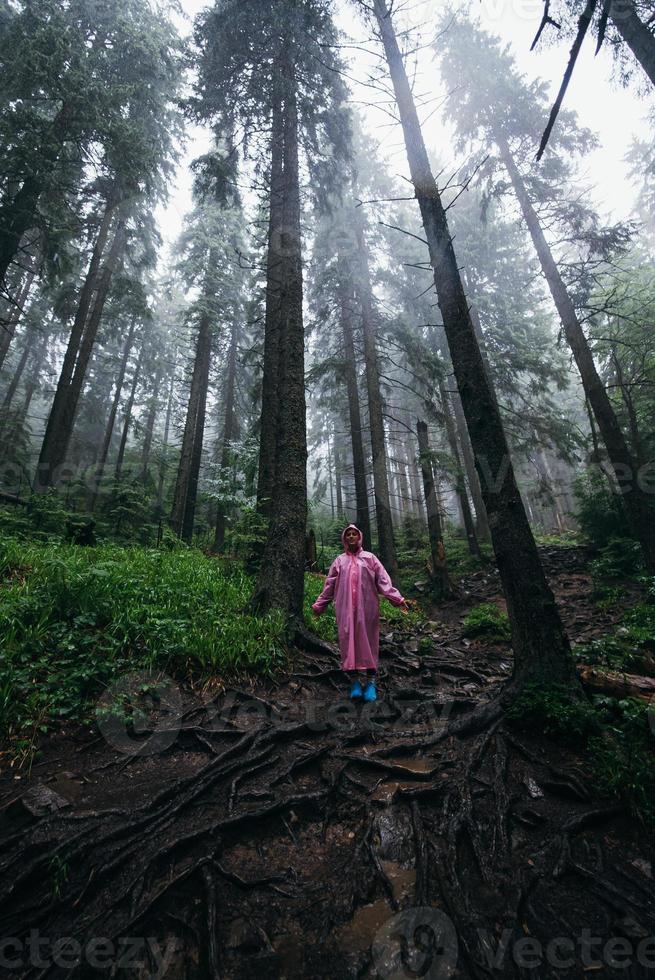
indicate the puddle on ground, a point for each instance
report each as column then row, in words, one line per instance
column 357, row 935
column 385, row 792
column 413, row 764
column 402, row 880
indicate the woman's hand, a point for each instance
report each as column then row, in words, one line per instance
column 404, row 608
column 315, row 613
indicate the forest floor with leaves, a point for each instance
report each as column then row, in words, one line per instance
column 282, row 831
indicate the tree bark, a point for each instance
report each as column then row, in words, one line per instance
column 402, row 481
column 274, row 274
column 386, row 545
column 460, row 486
column 196, row 453
column 435, row 530
column 635, row 434
column 62, row 412
column 338, row 479
column 481, row 521
column 184, row 499
column 18, row 372
column 413, row 470
column 229, row 432
column 149, row 428
column 640, row 513
column 549, row 480
column 363, row 519
column 541, row 648
column 635, row 34
column 280, row 582
column 127, row 419
column 111, row 421
column 167, row 429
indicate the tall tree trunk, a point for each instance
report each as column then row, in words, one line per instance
column 17, row 214
column 33, row 384
column 635, row 33
column 149, row 429
column 481, row 521
column 338, row 478
column 20, row 367
column 127, row 419
column 274, row 275
column 229, row 432
column 413, row 469
column 541, row 649
column 8, row 327
column 386, row 545
column 638, row 508
column 549, row 481
column 435, row 530
column 626, row 394
column 402, row 483
column 37, row 349
column 184, row 499
column 62, row 412
column 196, row 454
column 354, row 413
column 111, row 421
column 164, row 449
column 281, row 582
column 330, row 478
column 460, row 486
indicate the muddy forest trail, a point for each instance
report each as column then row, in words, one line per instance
column 283, row 832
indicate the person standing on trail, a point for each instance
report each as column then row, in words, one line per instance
column 355, row 580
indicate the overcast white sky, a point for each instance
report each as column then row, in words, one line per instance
column 614, row 113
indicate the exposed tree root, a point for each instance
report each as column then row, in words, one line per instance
column 315, row 834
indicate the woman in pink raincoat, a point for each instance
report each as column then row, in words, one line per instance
column 354, row 581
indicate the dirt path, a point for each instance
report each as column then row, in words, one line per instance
column 282, row 832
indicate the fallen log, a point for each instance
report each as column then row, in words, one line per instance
column 616, row 684
column 12, row 498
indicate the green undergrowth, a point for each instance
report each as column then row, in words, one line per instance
column 631, row 647
column 617, row 738
column 562, row 539
column 72, row 619
column 487, row 621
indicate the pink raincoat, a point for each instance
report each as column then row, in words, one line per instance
column 354, row 581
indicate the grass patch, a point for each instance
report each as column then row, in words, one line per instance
column 487, row 621
column 79, row 617
column 565, row 539
column 73, row 619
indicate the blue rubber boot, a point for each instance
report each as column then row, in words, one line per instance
column 356, row 690
column 370, row 694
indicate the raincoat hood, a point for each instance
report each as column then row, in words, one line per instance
column 343, row 536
